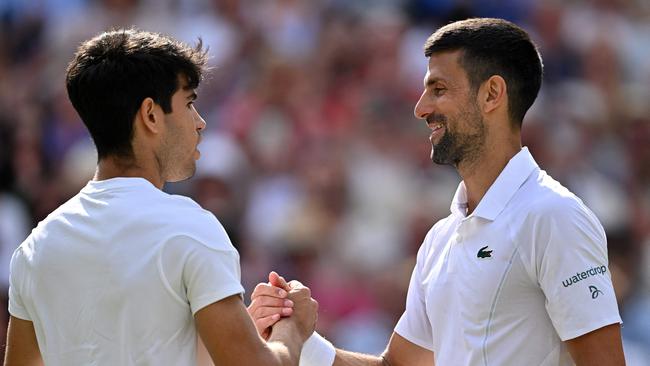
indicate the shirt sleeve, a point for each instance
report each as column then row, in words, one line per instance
column 199, row 273
column 572, row 270
column 17, row 270
column 414, row 323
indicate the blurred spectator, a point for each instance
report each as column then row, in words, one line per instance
column 312, row 159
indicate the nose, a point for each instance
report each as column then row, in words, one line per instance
column 423, row 107
column 200, row 122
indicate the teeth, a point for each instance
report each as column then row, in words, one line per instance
column 436, row 126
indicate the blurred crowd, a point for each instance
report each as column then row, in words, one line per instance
column 312, row 158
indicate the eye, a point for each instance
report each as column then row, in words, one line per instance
column 438, row 91
column 190, row 104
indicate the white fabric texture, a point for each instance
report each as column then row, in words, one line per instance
column 508, row 283
column 114, row 276
column 317, row 351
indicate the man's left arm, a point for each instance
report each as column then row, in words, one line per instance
column 572, row 270
column 600, row 347
column 22, row 347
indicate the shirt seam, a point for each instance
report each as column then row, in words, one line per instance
column 165, row 282
column 494, row 302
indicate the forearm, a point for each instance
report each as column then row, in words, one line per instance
column 286, row 343
column 346, row 358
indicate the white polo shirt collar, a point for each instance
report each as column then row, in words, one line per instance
column 501, row 191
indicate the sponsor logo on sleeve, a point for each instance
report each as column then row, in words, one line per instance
column 579, row 276
column 594, row 292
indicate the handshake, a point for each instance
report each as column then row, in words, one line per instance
column 278, row 308
column 278, row 302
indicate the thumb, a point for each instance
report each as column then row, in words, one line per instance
column 278, row 281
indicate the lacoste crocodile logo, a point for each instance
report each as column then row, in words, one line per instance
column 483, row 253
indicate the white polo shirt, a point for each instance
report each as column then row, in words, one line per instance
column 508, row 283
column 115, row 275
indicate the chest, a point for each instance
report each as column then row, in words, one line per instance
column 474, row 277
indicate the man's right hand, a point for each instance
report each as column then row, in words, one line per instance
column 267, row 299
column 276, row 299
column 269, row 303
column 305, row 311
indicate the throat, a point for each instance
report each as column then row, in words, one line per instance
column 479, row 175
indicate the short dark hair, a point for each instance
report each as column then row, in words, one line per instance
column 111, row 74
column 494, row 47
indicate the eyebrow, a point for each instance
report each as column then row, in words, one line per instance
column 431, row 80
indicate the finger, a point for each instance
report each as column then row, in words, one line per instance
column 278, row 281
column 263, row 312
column 296, row 285
column 264, row 289
column 267, row 301
column 263, row 323
column 298, row 290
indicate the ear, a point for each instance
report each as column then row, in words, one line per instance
column 493, row 94
column 150, row 114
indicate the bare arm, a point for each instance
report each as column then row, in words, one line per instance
column 230, row 336
column 22, row 347
column 601, row 347
column 400, row 352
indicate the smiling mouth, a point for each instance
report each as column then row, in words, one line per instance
column 437, row 129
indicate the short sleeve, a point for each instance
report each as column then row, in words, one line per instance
column 201, row 274
column 573, row 271
column 16, row 279
column 414, row 323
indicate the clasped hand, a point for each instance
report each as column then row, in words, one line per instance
column 279, row 301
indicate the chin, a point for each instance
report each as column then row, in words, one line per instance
column 441, row 158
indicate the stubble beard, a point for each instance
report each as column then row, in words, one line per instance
column 455, row 148
column 175, row 164
column 180, row 167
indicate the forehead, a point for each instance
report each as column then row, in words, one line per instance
column 184, row 88
column 446, row 66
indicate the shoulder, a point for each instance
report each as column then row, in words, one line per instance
column 435, row 237
column 22, row 256
column 186, row 218
column 553, row 214
column 188, row 212
column 440, row 228
column 551, row 201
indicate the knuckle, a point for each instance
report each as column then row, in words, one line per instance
column 259, row 287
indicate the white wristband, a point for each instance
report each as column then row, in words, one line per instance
column 317, row 351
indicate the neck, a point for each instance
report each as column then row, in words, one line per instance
column 114, row 167
column 481, row 173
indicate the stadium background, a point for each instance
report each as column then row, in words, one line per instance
column 312, row 158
